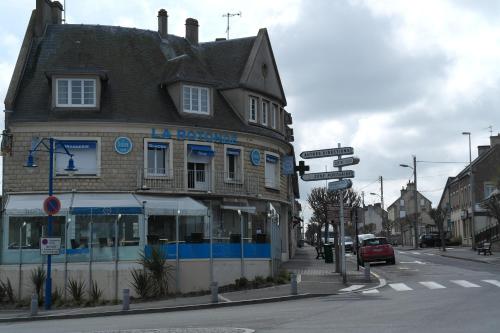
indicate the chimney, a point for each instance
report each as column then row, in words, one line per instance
column 192, row 31
column 163, row 23
column 494, row 140
column 47, row 12
column 482, row 149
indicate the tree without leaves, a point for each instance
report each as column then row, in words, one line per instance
column 439, row 215
column 492, row 205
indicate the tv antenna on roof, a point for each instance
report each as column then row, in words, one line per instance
column 64, row 12
column 229, row 15
column 490, row 128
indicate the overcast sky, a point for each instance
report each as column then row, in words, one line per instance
column 390, row 78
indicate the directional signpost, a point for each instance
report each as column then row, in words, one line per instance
column 338, row 186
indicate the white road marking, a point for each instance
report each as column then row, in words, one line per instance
column 429, row 254
column 416, row 253
column 493, row 282
column 399, row 286
column 465, row 284
column 371, row 291
column 413, row 262
column 353, row 287
column 224, row 299
column 432, row 285
column 403, row 268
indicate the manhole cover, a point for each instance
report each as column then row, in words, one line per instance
column 181, row 330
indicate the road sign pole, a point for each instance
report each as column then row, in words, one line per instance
column 342, row 231
column 48, row 280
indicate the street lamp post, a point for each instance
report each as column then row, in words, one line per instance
column 471, row 194
column 20, row 257
column 415, row 221
column 48, row 145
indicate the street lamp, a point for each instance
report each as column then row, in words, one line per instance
column 471, row 192
column 415, row 221
column 49, row 145
column 20, row 256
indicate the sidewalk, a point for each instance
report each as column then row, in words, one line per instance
column 459, row 252
column 315, row 276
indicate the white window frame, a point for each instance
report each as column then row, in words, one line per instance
column 168, row 163
column 190, row 109
column 277, row 176
column 239, row 177
column 265, row 112
column 274, row 111
column 76, row 174
column 210, row 166
column 488, row 189
column 70, row 99
column 253, row 106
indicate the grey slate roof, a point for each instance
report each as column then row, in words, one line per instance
column 135, row 63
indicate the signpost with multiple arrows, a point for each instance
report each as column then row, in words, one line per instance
column 337, row 186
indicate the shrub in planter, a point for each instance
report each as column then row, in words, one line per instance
column 38, row 279
column 95, row 293
column 141, row 282
column 76, row 289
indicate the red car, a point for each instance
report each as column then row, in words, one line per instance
column 376, row 249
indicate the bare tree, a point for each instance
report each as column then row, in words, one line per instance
column 439, row 215
column 492, row 205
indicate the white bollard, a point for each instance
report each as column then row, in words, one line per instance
column 34, row 305
column 367, row 272
column 214, row 289
column 293, row 283
column 126, row 300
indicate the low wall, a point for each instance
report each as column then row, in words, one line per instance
column 194, row 275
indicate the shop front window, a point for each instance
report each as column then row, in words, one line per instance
column 26, row 231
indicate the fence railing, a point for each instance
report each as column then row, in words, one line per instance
column 181, row 180
column 489, row 234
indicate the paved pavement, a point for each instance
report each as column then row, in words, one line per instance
column 315, row 276
column 456, row 252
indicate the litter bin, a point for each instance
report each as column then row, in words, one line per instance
column 328, row 249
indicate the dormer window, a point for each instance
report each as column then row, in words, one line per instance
column 265, row 112
column 73, row 92
column 196, row 100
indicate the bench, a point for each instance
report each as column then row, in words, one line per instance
column 485, row 249
column 320, row 251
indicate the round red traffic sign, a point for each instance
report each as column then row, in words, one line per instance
column 51, row 205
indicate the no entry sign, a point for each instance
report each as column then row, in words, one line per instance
column 51, row 205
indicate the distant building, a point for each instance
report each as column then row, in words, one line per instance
column 401, row 214
column 374, row 215
column 456, row 200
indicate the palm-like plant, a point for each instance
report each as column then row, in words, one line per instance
column 156, row 265
column 38, row 277
column 77, row 289
column 141, row 282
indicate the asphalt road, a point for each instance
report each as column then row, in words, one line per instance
column 424, row 293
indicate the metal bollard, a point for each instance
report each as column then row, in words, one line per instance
column 293, row 280
column 126, row 300
column 214, row 289
column 367, row 272
column 34, row 305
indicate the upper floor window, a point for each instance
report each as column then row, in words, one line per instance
column 272, row 170
column 76, row 93
column 488, row 189
column 233, row 164
column 157, row 159
column 401, row 202
column 265, row 111
column 274, row 113
column 196, row 100
column 253, row 110
column 86, row 155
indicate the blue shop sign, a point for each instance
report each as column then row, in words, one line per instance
column 255, row 157
column 198, row 135
column 123, row 145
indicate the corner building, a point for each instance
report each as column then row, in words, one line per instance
column 177, row 144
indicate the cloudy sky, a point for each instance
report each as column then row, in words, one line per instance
column 390, row 78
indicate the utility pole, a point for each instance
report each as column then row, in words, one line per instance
column 416, row 199
column 229, row 15
column 382, row 204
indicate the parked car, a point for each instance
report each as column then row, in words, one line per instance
column 376, row 249
column 432, row 239
column 349, row 246
column 360, row 239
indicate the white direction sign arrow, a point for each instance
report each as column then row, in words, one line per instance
column 327, row 152
column 339, row 185
column 345, row 161
column 328, row 175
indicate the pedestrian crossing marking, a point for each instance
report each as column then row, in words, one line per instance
column 416, row 253
column 353, row 287
column 372, row 291
column 432, row 285
column 493, row 282
column 429, row 254
column 465, row 284
column 399, row 286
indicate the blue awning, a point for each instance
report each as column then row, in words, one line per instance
column 78, row 144
column 158, row 145
column 201, row 150
column 271, row 159
column 233, row 151
column 105, row 204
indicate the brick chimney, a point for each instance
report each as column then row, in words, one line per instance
column 47, row 12
column 482, row 149
column 192, row 31
column 494, row 140
column 163, row 23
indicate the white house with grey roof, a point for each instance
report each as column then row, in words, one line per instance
column 179, row 144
